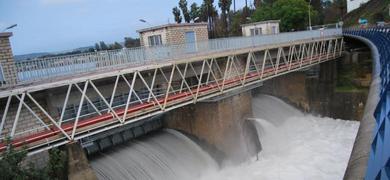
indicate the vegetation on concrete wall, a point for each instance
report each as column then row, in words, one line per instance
column 353, row 77
column 373, row 11
column 12, row 166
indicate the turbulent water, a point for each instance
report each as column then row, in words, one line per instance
column 294, row 146
column 164, row 155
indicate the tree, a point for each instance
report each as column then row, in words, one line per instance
column 225, row 8
column 257, row 3
column 11, row 165
column 97, row 47
column 90, row 49
column 208, row 14
column 268, row 2
column 131, row 42
column 195, row 12
column 332, row 11
column 103, row 46
column 114, row 46
column 341, row 6
column 292, row 13
column 57, row 166
column 184, row 10
column 318, row 6
column 176, row 14
column 237, row 20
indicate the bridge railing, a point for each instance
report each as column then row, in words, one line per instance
column 27, row 71
column 378, row 166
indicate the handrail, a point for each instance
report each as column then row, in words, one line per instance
column 370, row 154
column 50, row 67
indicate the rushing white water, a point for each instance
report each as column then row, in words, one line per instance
column 165, row 155
column 294, row 146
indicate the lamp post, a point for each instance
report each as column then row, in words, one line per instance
column 195, row 19
column 9, row 27
column 144, row 21
column 309, row 16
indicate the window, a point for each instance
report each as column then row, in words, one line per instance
column 155, row 40
column 256, row 31
column 259, row 31
column 273, row 29
column 252, row 32
column 2, row 79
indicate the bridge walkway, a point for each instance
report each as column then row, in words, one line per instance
column 154, row 87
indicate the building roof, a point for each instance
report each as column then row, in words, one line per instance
column 261, row 22
column 5, row 34
column 170, row 25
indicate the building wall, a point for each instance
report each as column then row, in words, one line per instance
column 27, row 122
column 6, row 60
column 353, row 4
column 266, row 28
column 176, row 35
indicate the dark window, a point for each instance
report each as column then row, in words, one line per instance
column 155, row 40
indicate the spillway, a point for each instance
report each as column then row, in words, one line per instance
column 167, row 154
column 294, row 146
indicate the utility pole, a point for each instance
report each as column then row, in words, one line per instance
column 309, row 16
column 234, row 6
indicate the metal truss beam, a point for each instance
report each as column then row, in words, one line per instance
column 165, row 90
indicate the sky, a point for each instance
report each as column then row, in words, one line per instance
column 58, row 25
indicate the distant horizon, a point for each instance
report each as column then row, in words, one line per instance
column 62, row 25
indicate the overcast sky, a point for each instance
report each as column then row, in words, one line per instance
column 57, row 25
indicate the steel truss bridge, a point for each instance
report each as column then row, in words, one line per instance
column 156, row 79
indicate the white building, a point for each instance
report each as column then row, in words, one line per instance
column 261, row 28
column 354, row 4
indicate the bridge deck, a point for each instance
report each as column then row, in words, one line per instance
column 39, row 74
column 219, row 71
column 54, row 134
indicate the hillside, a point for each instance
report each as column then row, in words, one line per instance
column 373, row 11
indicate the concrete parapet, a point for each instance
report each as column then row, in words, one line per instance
column 78, row 166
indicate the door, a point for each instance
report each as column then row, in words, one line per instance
column 190, row 41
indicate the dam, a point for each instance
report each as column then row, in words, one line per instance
column 293, row 105
column 290, row 150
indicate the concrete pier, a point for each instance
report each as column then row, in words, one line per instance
column 78, row 166
column 221, row 124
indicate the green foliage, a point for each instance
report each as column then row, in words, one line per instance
column 225, row 8
column 131, row 42
column 373, row 11
column 116, row 45
column 238, row 18
column 176, row 14
column 103, row 46
column 10, row 164
column 184, row 10
column 224, row 5
column 195, row 12
column 97, row 47
column 57, row 165
column 257, row 3
column 292, row 13
column 12, row 168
